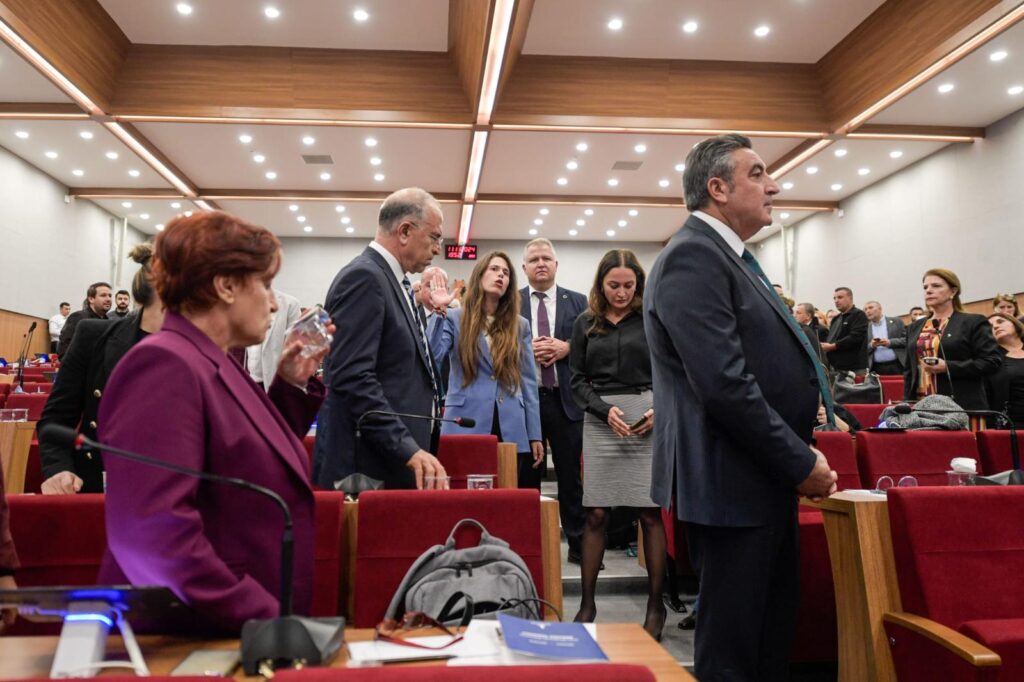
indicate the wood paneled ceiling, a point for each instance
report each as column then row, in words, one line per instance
column 508, row 107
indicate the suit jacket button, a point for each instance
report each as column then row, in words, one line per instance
column 492, row 377
column 92, row 425
column 98, row 393
column 88, row 455
column 500, row 400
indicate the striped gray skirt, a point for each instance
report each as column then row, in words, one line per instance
column 617, row 471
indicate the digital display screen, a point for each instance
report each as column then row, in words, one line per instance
column 460, row 252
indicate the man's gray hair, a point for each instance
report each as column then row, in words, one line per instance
column 405, row 204
column 808, row 308
column 710, row 158
column 876, row 303
column 539, row 241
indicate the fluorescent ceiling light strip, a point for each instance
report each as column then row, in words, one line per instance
column 149, row 158
column 37, row 60
column 14, row 115
column 911, row 137
column 800, row 158
column 956, row 55
column 465, row 222
column 575, row 202
column 554, row 128
column 203, row 205
column 500, row 25
column 339, row 123
column 476, row 163
column 298, row 196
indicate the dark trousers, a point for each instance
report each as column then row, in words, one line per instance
column 887, row 368
column 749, row 590
column 566, row 439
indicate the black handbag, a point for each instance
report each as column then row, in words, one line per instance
column 846, row 391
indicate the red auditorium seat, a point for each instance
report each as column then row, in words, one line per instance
column 867, row 414
column 958, row 558
column 33, row 468
column 892, row 388
column 38, row 387
column 328, row 558
column 397, row 526
column 925, row 455
column 994, row 448
column 470, row 454
column 600, row 672
column 838, row 450
column 33, row 402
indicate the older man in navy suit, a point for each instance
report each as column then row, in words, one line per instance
column 737, row 386
column 379, row 361
column 551, row 311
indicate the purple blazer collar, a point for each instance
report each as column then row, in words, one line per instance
column 250, row 397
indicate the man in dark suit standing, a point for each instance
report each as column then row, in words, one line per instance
column 847, row 335
column 738, row 386
column 887, row 341
column 551, row 311
column 379, row 360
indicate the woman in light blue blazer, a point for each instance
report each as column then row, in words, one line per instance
column 493, row 379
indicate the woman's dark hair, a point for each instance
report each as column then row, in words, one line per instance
column 142, row 288
column 598, row 303
column 1017, row 325
column 192, row 250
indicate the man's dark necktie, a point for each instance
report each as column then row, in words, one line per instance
column 547, row 374
column 407, row 285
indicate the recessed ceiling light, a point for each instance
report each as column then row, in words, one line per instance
column 582, row 146
column 188, row 214
column 538, row 221
column 259, row 158
column 271, row 12
column 270, row 175
column 610, row 233
column 562, row 181
column 615, row 24
column 572, row 164
column 690, row 27
column 836, row 186
column 160, row 227
column 840, row 153
column 1015, row 90
column 308, row 140
column 895, row 154
column 946, row 88
column 863, row 171
column 544, row 211
column 144, row 216
column 370, row 142
column 85, row 135
column 175, row 204
column 783, row 215
column 533, row 231
column 21, row 134
column 762, row 30
column 325, row 176
column 339, row 208
column 126, row 204
column 183, row 8
column 51, row 155
column 613, row 182
column 346, row 220
column 573, row 233
column 134, row 173
column 245, row 138
column 811, row 170
column 664, row 182
column 301, row 218
column 350, row 230
column 640, row 148
column 623, row 223
column 293, row 208
column 787, row 185
column 111, row 155
column 78, row 172
column 633, row 212
column 375, row 161
column 998, row 55
column 581, row 222
column 361, row 15
column 589, row 211
column 379, row 177
column 680, row 167
column 307, row 228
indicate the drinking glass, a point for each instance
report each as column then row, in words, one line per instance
column 311, row 329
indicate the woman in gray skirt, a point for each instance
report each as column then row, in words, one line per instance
column 611, row 381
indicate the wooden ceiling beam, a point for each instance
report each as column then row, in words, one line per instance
column 468, row 24
column 517, row 38
column 612, row 200
column 308, row 195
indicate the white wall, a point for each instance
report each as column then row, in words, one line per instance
column 310, row 264
column 51, row 251
column 960, row 208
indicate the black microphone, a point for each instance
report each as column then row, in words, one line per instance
column 265, row 643
column 464, row 422
column 23, row 355
column 32, row 327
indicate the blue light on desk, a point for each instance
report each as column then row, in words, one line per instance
column 88, row 618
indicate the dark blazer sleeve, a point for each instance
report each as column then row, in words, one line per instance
column 68, row 332
column 985, row 357
column 997, row 387
column 897, row 334
column 8, row 557
column 298, row 407
column 858, row 334
column 910, row 360
column 582, row 391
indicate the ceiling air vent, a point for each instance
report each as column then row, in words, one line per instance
column 318, row 159
column 627, row 165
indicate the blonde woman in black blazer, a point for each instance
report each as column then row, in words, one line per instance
column 966, row 353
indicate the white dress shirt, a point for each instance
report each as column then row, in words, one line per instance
column 723, row 230
column 396, row 270
column 56, row 324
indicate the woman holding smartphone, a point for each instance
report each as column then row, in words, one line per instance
column 611, row 381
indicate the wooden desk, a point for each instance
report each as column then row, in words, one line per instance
column 24, row 657
column 860, row 548
column 15, row 442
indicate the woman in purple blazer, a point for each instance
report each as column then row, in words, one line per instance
column 178, row 396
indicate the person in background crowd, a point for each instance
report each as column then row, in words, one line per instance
column 552, row 310
column 97, row 348
column 97, row 302
column 951, row 352
column 179, row 397
column 122, row 303
column 830, row 316
column 804, row 314
column 887, row 341
column 1006, row 385
column 1006, row 304
column 823, row 322
column 916, row 313
column 57, row 323
column 847, row 335
column 611, row 381
column 261, row 359
column 493, row 379
column 8, row 558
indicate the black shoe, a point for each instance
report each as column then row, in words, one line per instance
column 689, row 621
